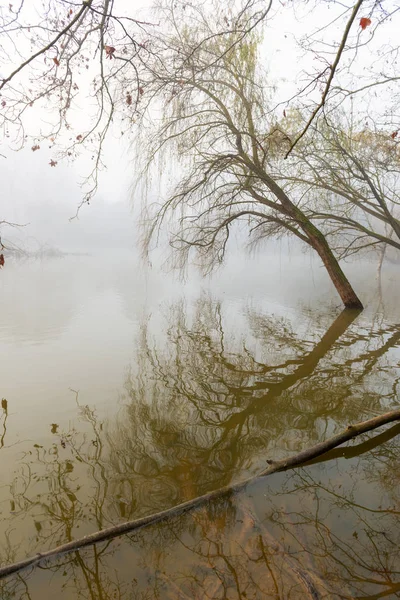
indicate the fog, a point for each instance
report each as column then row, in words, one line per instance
column 45, row 201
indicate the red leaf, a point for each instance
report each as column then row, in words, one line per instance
column 364, row 22
column 52, row 163
column 2, row 261
column 70, row 11
column 56, row 61
column 284, row 113
column 394, row 134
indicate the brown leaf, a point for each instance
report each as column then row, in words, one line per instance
column 2, row 260
column 79, row 137
column 109, row 51
column 394, row 134
column 53, row 163
column 36, row 147
column 128, row 99
column 56, row 61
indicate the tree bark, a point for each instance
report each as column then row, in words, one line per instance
column 316, row 239
column 338, row 278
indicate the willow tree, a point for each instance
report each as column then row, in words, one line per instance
column 217, row 133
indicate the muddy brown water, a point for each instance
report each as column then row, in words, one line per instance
column 127, row 392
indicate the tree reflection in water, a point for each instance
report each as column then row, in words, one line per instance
column 204, row 409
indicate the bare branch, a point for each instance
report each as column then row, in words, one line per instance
column 328, row 84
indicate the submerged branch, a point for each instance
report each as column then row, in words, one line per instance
column 281, row 465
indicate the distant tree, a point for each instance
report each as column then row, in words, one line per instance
column 5, row 245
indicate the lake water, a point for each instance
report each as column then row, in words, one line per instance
column 127, row 391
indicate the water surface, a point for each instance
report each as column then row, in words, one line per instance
column 129, row 392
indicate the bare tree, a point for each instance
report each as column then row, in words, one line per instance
column 196, row 66
column 68, row 72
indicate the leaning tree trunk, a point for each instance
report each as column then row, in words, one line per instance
column 339, row 279
column 318, row 241
column 313, row 235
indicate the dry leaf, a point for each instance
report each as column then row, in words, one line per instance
column 109, row 51
column 364, row 22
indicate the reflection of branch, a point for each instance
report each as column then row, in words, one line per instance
column 4, row 406
column 359, row 449
column 281, row 465
column 331, row 76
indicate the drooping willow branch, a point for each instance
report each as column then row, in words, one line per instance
column 302, row 457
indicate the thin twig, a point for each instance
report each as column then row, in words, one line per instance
column 85, row 6
column 331, row 76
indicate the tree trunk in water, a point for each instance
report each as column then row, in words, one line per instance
column 339, row 279
column 315, row 238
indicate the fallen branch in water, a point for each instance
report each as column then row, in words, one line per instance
column 281, row 465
